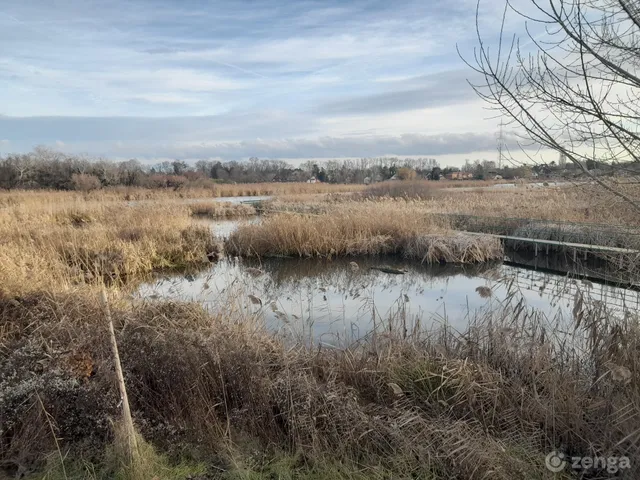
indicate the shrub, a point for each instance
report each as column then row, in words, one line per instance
column 85, row 182
column 406, row 173
column 415, row 189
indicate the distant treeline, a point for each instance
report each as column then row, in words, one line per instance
column 45, row 168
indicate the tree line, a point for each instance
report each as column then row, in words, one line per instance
column 46, row 168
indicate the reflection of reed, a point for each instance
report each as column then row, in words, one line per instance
column 615, row 270
column 340, row 272
column 558, row 288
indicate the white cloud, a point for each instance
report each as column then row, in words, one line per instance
column 167, row 98
column 303, row 147
column 297, row 79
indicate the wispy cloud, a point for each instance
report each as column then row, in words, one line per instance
column 408, row 93
column 267, row 78
column 300, row 148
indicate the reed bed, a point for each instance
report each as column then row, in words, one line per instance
column 216, row 210
column 572, row 203
column 215, row 390
column 414, row 189
column 586, row 204
column 53, row 247
column 363, row 228
column 489, row 402
column 580, row 233
column 17, row 197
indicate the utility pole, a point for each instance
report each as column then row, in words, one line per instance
column 500, row 146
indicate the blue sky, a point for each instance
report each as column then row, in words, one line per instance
column 195, row 79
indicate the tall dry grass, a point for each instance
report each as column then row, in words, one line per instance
column 17, row 197
column 489, row 402
column 363, row 228
column 413, row 189
column 53, row 247
column 582, row 203
column 216, row 210
column 588, row 204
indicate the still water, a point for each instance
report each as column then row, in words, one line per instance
column 344, row 299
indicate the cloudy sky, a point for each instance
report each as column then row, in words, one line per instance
column 204, row 79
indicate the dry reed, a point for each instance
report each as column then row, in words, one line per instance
column 221, row 209
column 489, row 402
column 362, row 228
column 584, row 203
column 17, row 197
column 52, row 247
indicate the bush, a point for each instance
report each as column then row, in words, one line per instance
column 416, row 189
column 85, row 182
column 406, row 173
column 159, row 180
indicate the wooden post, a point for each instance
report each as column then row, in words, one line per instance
column 127, row 420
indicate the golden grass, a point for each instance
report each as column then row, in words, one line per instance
column 221, row 209
column 569, row 203
column 362, row 228
column 55, row 247
column 489, row 402
column 16, row 197
column 586, row 203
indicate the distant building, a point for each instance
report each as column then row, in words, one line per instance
column 459, row 176
column 367, row 180
column 312, row 180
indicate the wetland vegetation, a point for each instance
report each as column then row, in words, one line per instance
column 217, row 392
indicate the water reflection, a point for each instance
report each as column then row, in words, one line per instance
column 189, row 201
column 224, row 228
column 334, row 299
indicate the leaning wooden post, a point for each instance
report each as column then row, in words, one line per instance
column 127, row 420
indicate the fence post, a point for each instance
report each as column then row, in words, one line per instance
column 127, row 420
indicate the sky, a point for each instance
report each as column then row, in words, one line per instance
column 297, row 80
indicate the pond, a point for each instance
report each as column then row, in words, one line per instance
column 343, row 299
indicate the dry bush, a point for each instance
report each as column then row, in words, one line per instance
column 584, row 203
column 362, row 228
column 85, row 182
column 236, row 190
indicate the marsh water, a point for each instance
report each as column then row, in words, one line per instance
column 342, row 299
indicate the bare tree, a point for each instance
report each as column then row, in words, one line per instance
column 572, row 84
